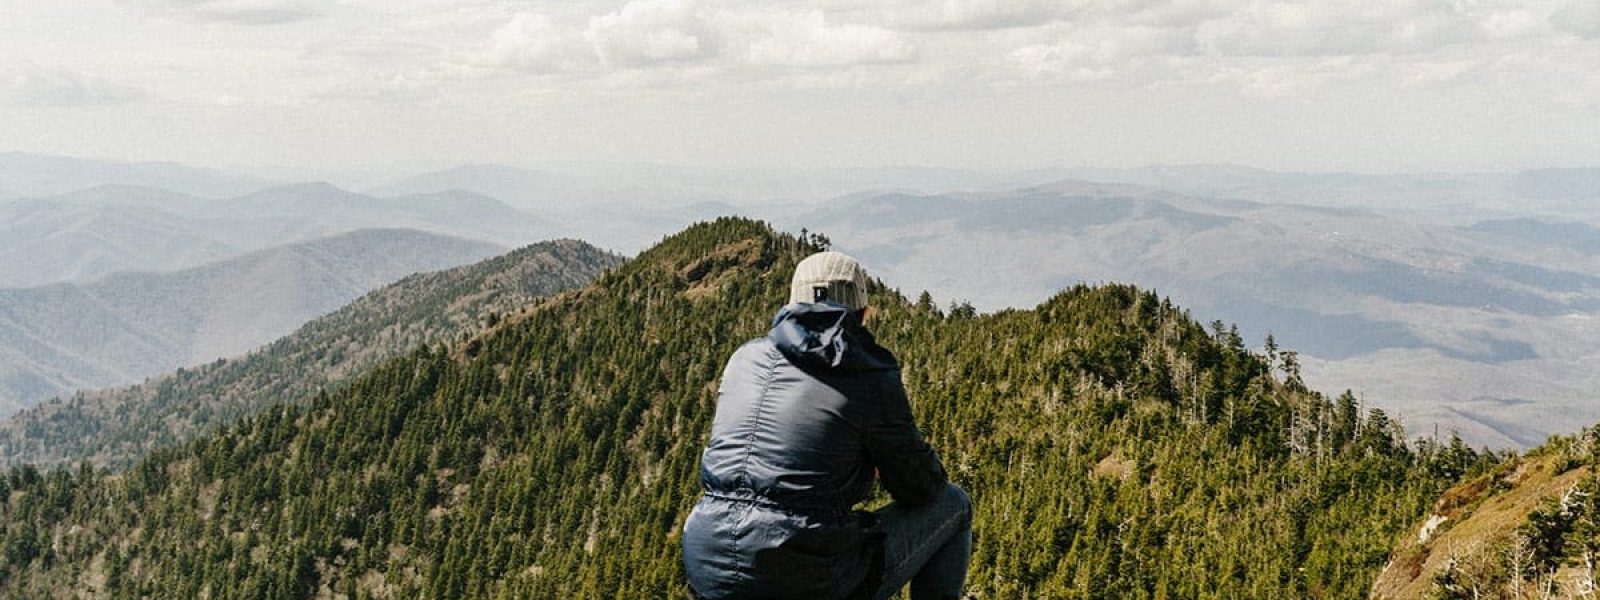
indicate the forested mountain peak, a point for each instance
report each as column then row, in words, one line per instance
column 1114, row 447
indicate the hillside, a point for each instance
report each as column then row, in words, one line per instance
column 115, row 427
column 86, row 235
column 123, row 328
column 1114, row 448
column 1527, row 529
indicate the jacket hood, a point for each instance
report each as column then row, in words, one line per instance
column 828, row 335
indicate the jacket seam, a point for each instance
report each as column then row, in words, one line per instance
column 749, row 445
column 753, row 422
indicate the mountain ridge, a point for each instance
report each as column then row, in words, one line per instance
column 25, row 174
column 88, row 234
column 113, row 427
column 127, row 326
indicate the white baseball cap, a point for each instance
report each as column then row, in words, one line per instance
column 830, row 276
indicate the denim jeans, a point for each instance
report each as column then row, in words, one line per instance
column 927, row 546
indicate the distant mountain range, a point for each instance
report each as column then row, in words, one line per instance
column 572, row 192
column 120, row 329
column 1444, row 198
column 1462, row 300
column 623, row 213
column 91, row 233
column 645, row 185
column 1441, row 198
column 32, row 175
column 1487, row 330
column 117, row 426
column 1460, row 198
column 1577, row 237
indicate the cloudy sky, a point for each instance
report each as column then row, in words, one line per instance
column 1365, row 85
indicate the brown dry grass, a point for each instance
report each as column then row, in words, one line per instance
column 1478, row 514
column 1113, row 466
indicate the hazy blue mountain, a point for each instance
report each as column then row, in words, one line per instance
column 125, row 327
column 1572, row 185
column 314, row 209
column 1581, row 237
column 627, row 229
column 629, row 206
column 117, row 426
column 1458, row 199
column 520, row 187
column 1434, row 321
column 1443, row 198
column 84, row 235
column 565, row 185
column 625, row 209
column 47, row 241
column 24, row 175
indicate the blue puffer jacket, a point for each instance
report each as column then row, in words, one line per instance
column 804, row 416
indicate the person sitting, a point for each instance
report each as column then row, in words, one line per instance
column 807, row 417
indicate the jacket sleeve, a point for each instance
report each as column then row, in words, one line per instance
column 907, row 466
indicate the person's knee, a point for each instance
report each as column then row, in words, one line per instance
column 959, row 499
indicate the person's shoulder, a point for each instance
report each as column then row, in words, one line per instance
column 752, row 358
column 761, row 347
column 874, row 358
column 887, row 357
column 762, row 343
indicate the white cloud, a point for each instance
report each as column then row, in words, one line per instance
column 1277, row 82
column 800, row 76
column 56, row 87
column 684, row 40
column 1510, row 24
column 533, row 42
column 1099, row 52
column 1315, row 28
column 688, row 44
column 239, row 12
column 1432, row 72
column 651, row 32
column 809, row 40
column 1067, row 59
column 1255, row 45
column 1166, row 13
column 976, row 14
column 992, row 15
column 1394, row 27
column 1578, row 17
column 386, row 88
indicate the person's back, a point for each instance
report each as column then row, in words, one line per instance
column 805, row 416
